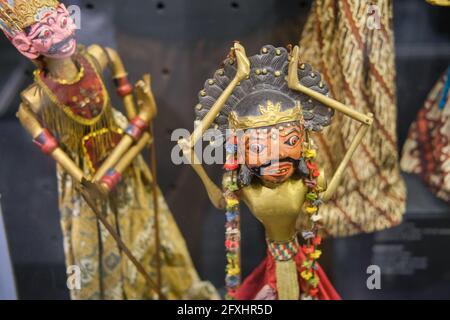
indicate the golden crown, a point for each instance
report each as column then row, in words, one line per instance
column 271, row 114
column 16, row 15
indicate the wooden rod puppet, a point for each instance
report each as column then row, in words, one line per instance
column 69, row 114
column 267, row 107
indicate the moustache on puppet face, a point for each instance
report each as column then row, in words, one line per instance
column 54, row 49
column 257, row 171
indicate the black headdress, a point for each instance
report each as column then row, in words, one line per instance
column 265, row 93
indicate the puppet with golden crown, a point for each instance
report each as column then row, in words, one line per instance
column 68, row 112
column 268, row 107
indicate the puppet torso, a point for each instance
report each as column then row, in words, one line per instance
column 84, row 100
column 79, row 114
column 277, row 208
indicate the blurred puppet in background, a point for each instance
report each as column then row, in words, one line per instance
column 352, row 44
column 126, row 244
column 427, row 150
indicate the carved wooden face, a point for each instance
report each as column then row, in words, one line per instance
column 272, row 153
column 52, row 36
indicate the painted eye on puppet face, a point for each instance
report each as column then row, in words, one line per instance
column 45, row 34
column 293, row 141
column 257, row 147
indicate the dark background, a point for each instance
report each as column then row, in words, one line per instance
column 181, row 43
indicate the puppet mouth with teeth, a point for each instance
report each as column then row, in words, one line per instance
column 63, row 47
column 277, row 170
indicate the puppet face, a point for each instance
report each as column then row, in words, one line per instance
column 52, row 36
column 272, row 153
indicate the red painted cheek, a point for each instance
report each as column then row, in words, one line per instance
column 290, row 152
column 295, row 153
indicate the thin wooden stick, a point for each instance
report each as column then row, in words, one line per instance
column 294, row 84
column 122, row 245
column 156, row 212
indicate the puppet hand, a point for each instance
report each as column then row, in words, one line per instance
column 93, row 190
column 243, row 64
column 145, row 99
column 293, row 80
column 185, row 146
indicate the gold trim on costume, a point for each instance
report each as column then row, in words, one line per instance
column 67, row 110
column 69, row 131
column 93, row 135
column 271, row 115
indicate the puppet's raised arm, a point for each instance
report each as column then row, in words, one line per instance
column 187, row 145
column 365, row 120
